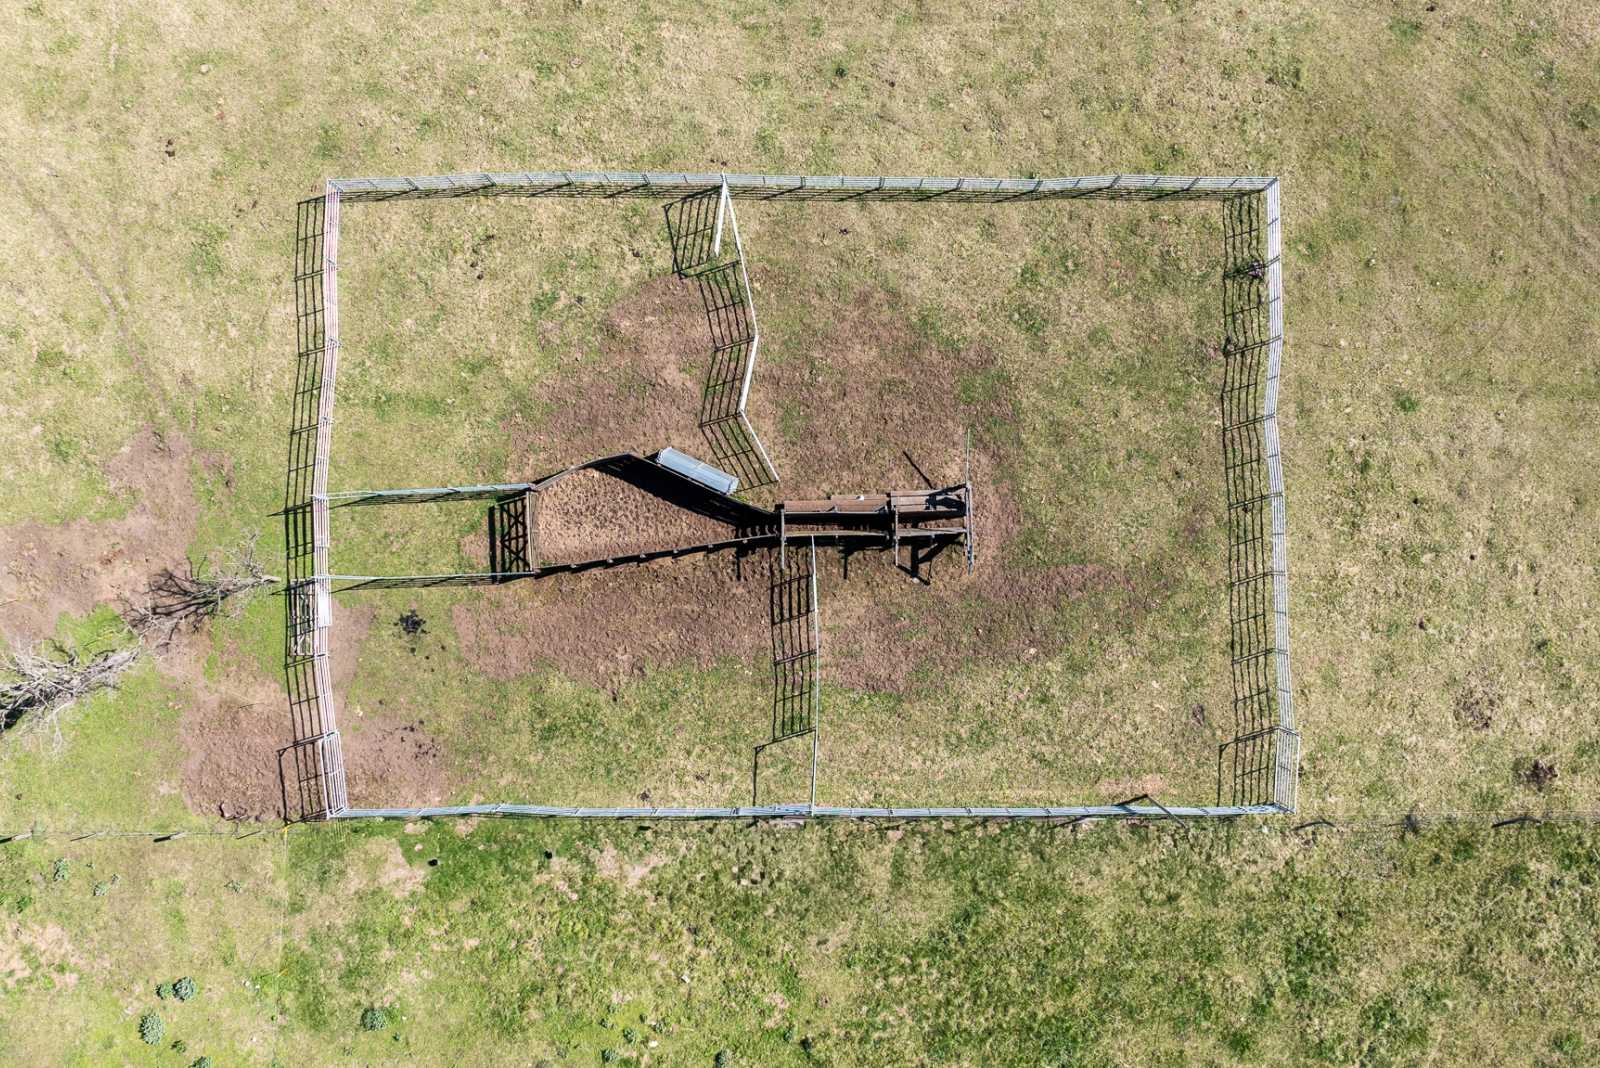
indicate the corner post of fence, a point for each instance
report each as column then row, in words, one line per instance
column 722, row 212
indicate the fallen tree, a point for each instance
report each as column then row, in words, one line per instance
column 38, row 687
column 175, row 601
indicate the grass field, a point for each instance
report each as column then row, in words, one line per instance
column 554, row 944
column 1441, row 177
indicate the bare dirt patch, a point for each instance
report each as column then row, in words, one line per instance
column 589, row 515
column 1537, row 773
column 870, row 404
column 13, row 966
column 1478, row 704
column 640, row 395
column 231, row 732
column 605, row 626
column 611, row 864
column 51, row 948
column 354, row 621
column 381, row 864
column 233, row 727
column 49, row 570
column 388, row 759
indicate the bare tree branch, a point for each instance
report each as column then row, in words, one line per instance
column 41, row 686
column 185, row 601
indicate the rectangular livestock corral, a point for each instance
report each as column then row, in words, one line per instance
column 1257, row 769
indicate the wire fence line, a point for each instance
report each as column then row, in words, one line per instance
column 236, row 832
column 654, row 185
column 1257, row 769
column 1403, row 823
column 1261, row 763
column 311, row 768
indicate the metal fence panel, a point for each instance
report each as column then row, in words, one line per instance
column 1262, row 760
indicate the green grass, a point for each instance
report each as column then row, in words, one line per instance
column 1442, row 208
column 84, row 954
column 169, row 320
column 115, row 761
column 1114, row 945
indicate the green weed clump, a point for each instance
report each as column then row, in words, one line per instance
column 151, row 1029
column 201, row 1062
column 373, row 1019
column 164, row 991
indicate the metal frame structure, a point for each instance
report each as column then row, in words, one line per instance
column 928, row 521
column 795, row 614
column 695, row 229
column 1260, row 765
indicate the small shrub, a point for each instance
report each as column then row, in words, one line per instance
column 607, row 1056
column 1285, row 73
column 1539, row 774
column 61, row 871
column 723, row 1059
column 164, row 991
column 201, row 1062
column 179, row 1046
column 373, row 1019
column 1407, row 403
column 1405, row 31
column 1030, row 320
column 151, row 1029
column 184, row 989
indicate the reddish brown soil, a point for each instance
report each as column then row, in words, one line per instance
column 232, row 728
column 231, row 732
column 48, row 570
column 588, row 515
column 865, row 394
column 392, row 763
column 603, row 626
column 640, row 395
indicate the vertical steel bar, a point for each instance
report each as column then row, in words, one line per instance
column 1287, row 754
column 816, row 673
column 330, row 751
column 723, row 205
